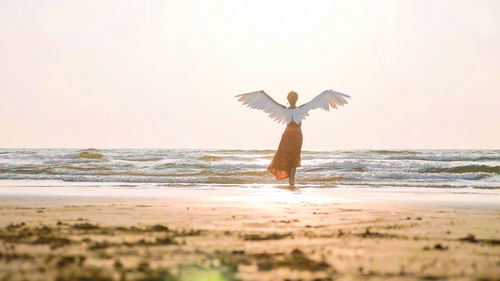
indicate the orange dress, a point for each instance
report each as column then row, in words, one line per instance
column 288, row 154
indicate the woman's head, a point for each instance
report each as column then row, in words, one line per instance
column 292, row 97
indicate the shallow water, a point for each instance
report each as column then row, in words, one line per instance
column 375, row 168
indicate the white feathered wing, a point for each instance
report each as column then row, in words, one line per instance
column 261, row 100
column 282, row 114
column 324, row 101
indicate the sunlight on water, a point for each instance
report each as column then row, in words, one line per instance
column 269, row 196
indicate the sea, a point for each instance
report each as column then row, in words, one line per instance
column 463, row 169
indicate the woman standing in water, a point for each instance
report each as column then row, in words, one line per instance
column 287, row 158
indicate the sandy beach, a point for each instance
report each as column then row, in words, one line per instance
column 157, row 140
column 268, row 233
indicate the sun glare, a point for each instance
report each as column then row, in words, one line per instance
column 280, row 18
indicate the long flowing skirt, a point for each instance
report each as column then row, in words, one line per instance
column 288, row 154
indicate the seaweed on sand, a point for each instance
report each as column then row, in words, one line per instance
column 262, row 237
column 295, row 260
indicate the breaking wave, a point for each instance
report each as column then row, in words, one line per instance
column 466, row 169
column 89, row 154
column 413, row 168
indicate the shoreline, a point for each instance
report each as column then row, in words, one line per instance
column 249, row 233
column 249, row 194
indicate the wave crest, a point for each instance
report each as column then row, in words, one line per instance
column 402, row 152
column 466, row 169
column 211, row 158
column 89, row 154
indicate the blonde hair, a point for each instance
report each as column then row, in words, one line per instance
column 292, row 97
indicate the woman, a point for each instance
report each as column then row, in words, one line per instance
column 287, row 158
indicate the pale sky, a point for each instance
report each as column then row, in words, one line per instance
column 163, row 74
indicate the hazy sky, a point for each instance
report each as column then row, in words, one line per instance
column 422, row 74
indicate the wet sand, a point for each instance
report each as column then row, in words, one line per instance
column 248, row 234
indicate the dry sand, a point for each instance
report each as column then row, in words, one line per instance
column 268, row 234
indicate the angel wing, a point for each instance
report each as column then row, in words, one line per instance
column 324, row 101
column 261, row 100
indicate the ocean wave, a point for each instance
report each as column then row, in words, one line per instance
column 30, row 170
column 322, row 173
column 340, row 165
column 89, row 154
column 336, row 167
column 211, row 158
column 328, row 179
column 167, row 166
column 446, row 158
column 397, row 184
column 238, row 180
column 266, row 157
column 145, row 159
column 231, row 180
column 356, row 167
column 486, row 187
column 388, row 152
column 250, row 151
column 465, row 169
column 182, row 171
column 80, row 168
